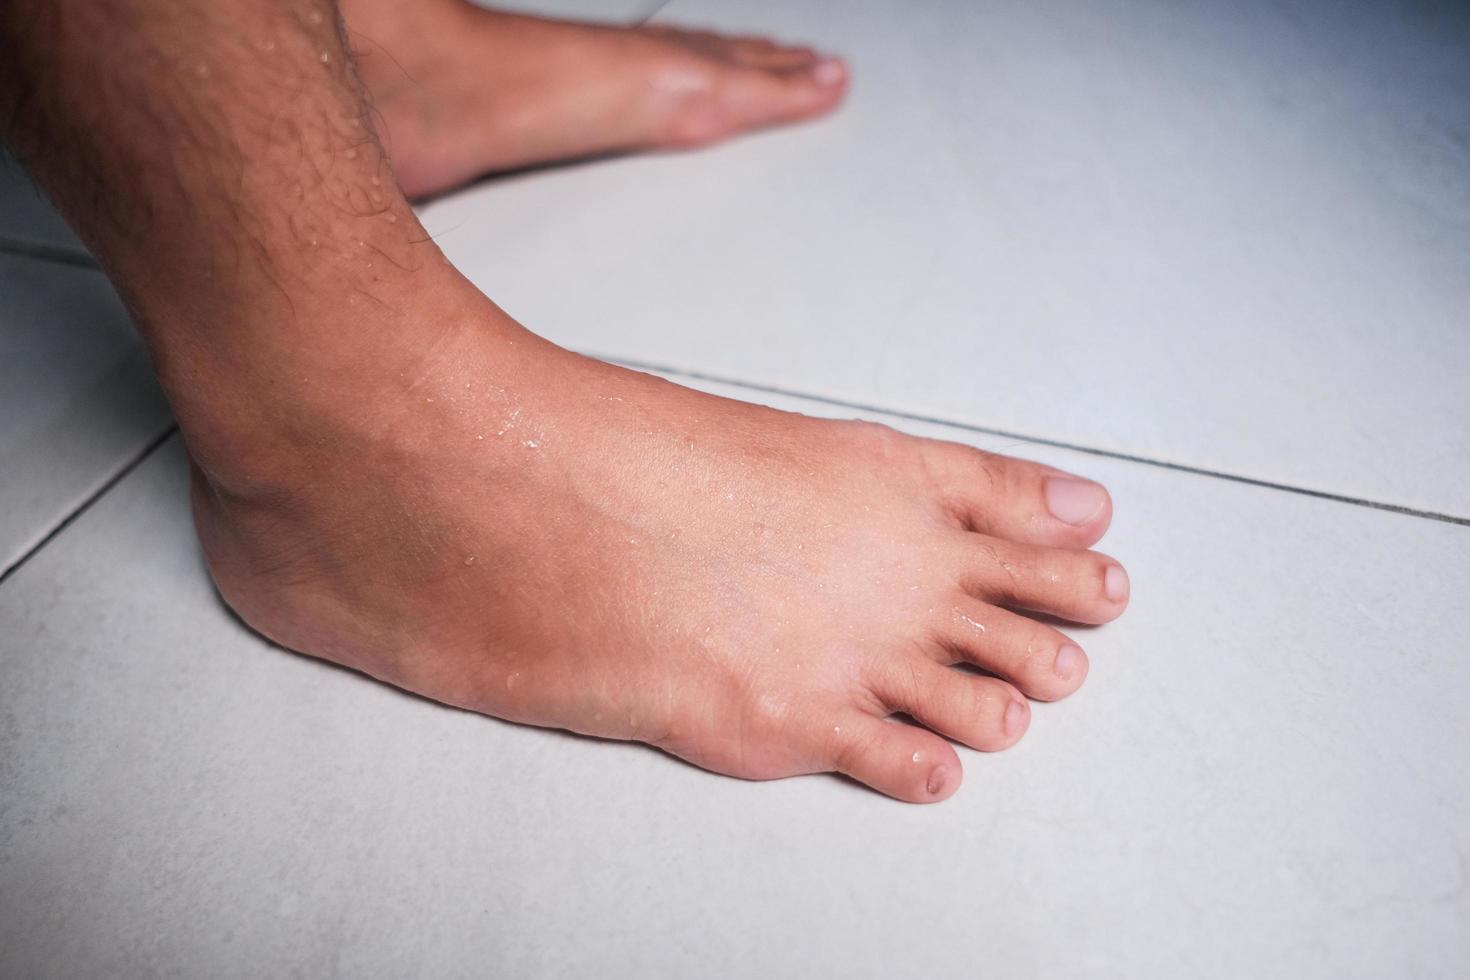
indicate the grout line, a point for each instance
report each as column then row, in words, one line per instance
column 1040, row 440
column 164, row 436
column 46, row 252
column 85, row 505
column 654, row 9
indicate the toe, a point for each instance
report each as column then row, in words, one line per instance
column 1018, row 499
column 1081, row 586
column 895, row 758
column 763, row 98
column 1041, row 662
column 750, row 51
column 982, row 712
column 772, row 57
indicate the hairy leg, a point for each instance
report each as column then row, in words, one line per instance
column 392, row 474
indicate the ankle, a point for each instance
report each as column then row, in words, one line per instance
column 280, row 403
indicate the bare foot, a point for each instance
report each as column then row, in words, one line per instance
column 502, row 525
column 462, row 91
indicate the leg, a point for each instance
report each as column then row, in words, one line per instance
column 463, row 91
column 392, row 474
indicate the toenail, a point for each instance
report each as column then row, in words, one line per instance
column 1068, row 657
column 937, row 778
column 828, row 71
column 1072, row 500
column 1015, row 714
column 1115, row 583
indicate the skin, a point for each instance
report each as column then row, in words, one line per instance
column 392, row 474
column 514, row 91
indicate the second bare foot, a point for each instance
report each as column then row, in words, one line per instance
column 463, row 91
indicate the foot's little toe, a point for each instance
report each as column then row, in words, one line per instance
column 895, row 758
column 1042, row 662
column 982, row 712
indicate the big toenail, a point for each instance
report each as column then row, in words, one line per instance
column 1073, row 501
column 827, row 72
column 1015, row 714
column 937, row 778
column 1067, row 659
column 1115, row 583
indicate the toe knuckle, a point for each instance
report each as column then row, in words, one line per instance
column 845, row 750
column 992, row 470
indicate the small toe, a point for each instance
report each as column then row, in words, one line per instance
column 1080, row 586
column 981, row 712
column 895, row 758
column 1040, row 661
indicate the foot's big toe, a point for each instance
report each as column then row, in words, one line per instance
column 1018, row 499
column 761, row 53
column 740, row 97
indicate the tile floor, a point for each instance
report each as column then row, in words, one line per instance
column 1265, row 772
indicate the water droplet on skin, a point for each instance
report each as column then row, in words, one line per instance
column 916, row 757
column 532, row 444
column 512, row 679
column 469, row 560
column 326, row 59
column 837, row 728
column 978, row 626
column 479, row 437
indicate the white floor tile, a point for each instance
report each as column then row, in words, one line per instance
column 27, row 218
column 1265, row 775
column 78, row 399
column 1230, row 236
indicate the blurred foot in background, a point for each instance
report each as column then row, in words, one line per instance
column 461, row 91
